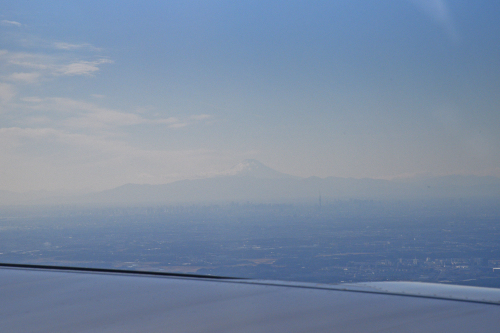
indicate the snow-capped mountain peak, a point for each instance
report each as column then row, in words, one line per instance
column 254, row 168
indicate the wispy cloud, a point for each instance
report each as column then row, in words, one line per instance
column 73, row 114
column 24, row 77
column 77, row 160
column 69, row 113
column 177, row 125
column 7, row 92
column 200, row 117
column 82, row 67
column 439, row 11
column 7, row 23
column 27, row 60
column 32, row 99
column 69, row 46
column 168, row 121
column 76, row 143
column 48, row 65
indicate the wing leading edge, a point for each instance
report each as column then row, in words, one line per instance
column 58, row 300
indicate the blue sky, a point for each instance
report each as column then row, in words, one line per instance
column 97, row 94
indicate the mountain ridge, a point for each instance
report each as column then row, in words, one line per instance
column 252, row 181
column 254, row 168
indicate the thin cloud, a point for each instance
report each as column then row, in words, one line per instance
column 439, row 11
column 90, row 160
column 69, row 46
column 17, row 132
column 32, row 99
column 7, row 92
column 24, row 77
column 200, row 117
column 27, row 60
column 167, row 121
column 82, row 67
column 78, row 114
column 74, row 114
column 7, row 23
column 48, row 65
column 178, row 125
column 37, row 120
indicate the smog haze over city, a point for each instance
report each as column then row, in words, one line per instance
column 325, row 141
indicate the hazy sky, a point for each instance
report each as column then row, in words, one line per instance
column 95, row 94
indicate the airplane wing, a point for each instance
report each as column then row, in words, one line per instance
column 40, row 299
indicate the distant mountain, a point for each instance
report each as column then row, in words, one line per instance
column 251, row 181
column 253, row 168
